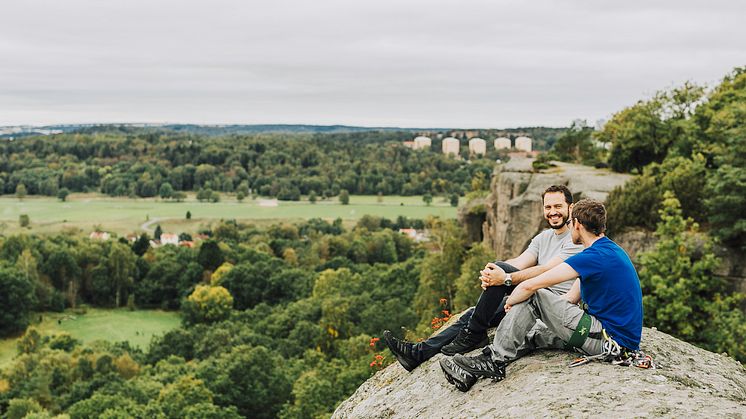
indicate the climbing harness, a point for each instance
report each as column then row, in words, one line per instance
column 616, row 355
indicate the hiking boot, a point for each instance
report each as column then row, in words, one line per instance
column 481, row 365
column 402, row 350
column 456, row 375
column 466, row 341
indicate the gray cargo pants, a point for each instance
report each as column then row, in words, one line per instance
column 520, row 332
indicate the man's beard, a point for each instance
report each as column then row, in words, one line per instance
column 565, row 217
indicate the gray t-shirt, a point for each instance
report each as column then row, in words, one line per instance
column 546, row 245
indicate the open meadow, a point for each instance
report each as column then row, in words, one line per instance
column 125, row 215
column 113, row 325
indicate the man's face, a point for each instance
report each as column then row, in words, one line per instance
column 556, row 210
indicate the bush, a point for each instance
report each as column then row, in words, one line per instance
column 633, row 205
column 468, row 286
column 64, row 342
column 344, row 197
column 207, row 304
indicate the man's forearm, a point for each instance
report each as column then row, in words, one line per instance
column 528, row 273
column 519, row 295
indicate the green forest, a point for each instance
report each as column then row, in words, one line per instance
column 283, row 320
column 140, row 162
column 276, row 321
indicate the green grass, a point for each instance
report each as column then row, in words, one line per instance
column 123, row 215
column 136, row 327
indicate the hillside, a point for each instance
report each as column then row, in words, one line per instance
column 688, row 381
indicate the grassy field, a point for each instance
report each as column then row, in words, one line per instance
column 123, row 215
column 137, row 327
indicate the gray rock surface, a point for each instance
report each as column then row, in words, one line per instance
column 688, row 381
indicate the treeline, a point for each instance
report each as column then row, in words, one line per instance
column 278, row 321
column 147, row 163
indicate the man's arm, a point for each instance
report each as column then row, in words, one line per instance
column 526, row 289
column 525, row 260
column 573, row 296
column 492, row 275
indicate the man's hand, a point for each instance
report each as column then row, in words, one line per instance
column 491, row 275
column 508, row 307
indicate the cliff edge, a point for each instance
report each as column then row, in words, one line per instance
column 688, row 381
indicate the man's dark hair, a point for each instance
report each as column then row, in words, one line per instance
column 591, row 214
column 559, row 188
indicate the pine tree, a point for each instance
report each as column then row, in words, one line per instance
column 681, row 294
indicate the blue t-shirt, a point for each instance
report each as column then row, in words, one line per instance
column 610, row 287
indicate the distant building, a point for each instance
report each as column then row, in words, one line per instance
column 477, row 146
column 523, row 143
column 409, row 144
column 169, row 238
column 414, row 234
column 502, row 143
column 451, row 146
column 422, row 143
column 99, row 235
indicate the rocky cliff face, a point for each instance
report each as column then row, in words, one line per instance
column 688, row 381
column 514, row 211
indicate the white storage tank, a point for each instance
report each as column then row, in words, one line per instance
column 451, row 146
column 477, row 146
column 502, row 143
column 422, row 143
column 523, row 143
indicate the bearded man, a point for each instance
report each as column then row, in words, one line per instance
column 547, row 249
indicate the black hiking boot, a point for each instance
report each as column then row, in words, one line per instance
column 456, row 375
column 466, row 341
column 481, row 365
column 402, row 350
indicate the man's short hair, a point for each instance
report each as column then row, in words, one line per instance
column 591, row 214
column 558, row 188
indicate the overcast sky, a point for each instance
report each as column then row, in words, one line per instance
column 478, row 64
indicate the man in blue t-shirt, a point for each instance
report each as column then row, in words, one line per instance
column 607, row 283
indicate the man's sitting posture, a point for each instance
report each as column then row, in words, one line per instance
column 607, row 283
column 548, row 249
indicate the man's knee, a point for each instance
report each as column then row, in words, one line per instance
column 543, row 294
column 506, row 267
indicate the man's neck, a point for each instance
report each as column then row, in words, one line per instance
column 559, row 231
column 588, row 240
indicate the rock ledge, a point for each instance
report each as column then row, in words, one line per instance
column 689, row 381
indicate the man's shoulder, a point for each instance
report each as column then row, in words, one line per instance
column 544, row 234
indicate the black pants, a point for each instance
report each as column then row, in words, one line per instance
column 487, row 313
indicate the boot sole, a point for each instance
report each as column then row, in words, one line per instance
column 454, row 379
column 496, row 377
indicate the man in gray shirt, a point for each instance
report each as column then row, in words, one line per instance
column 547, row 250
